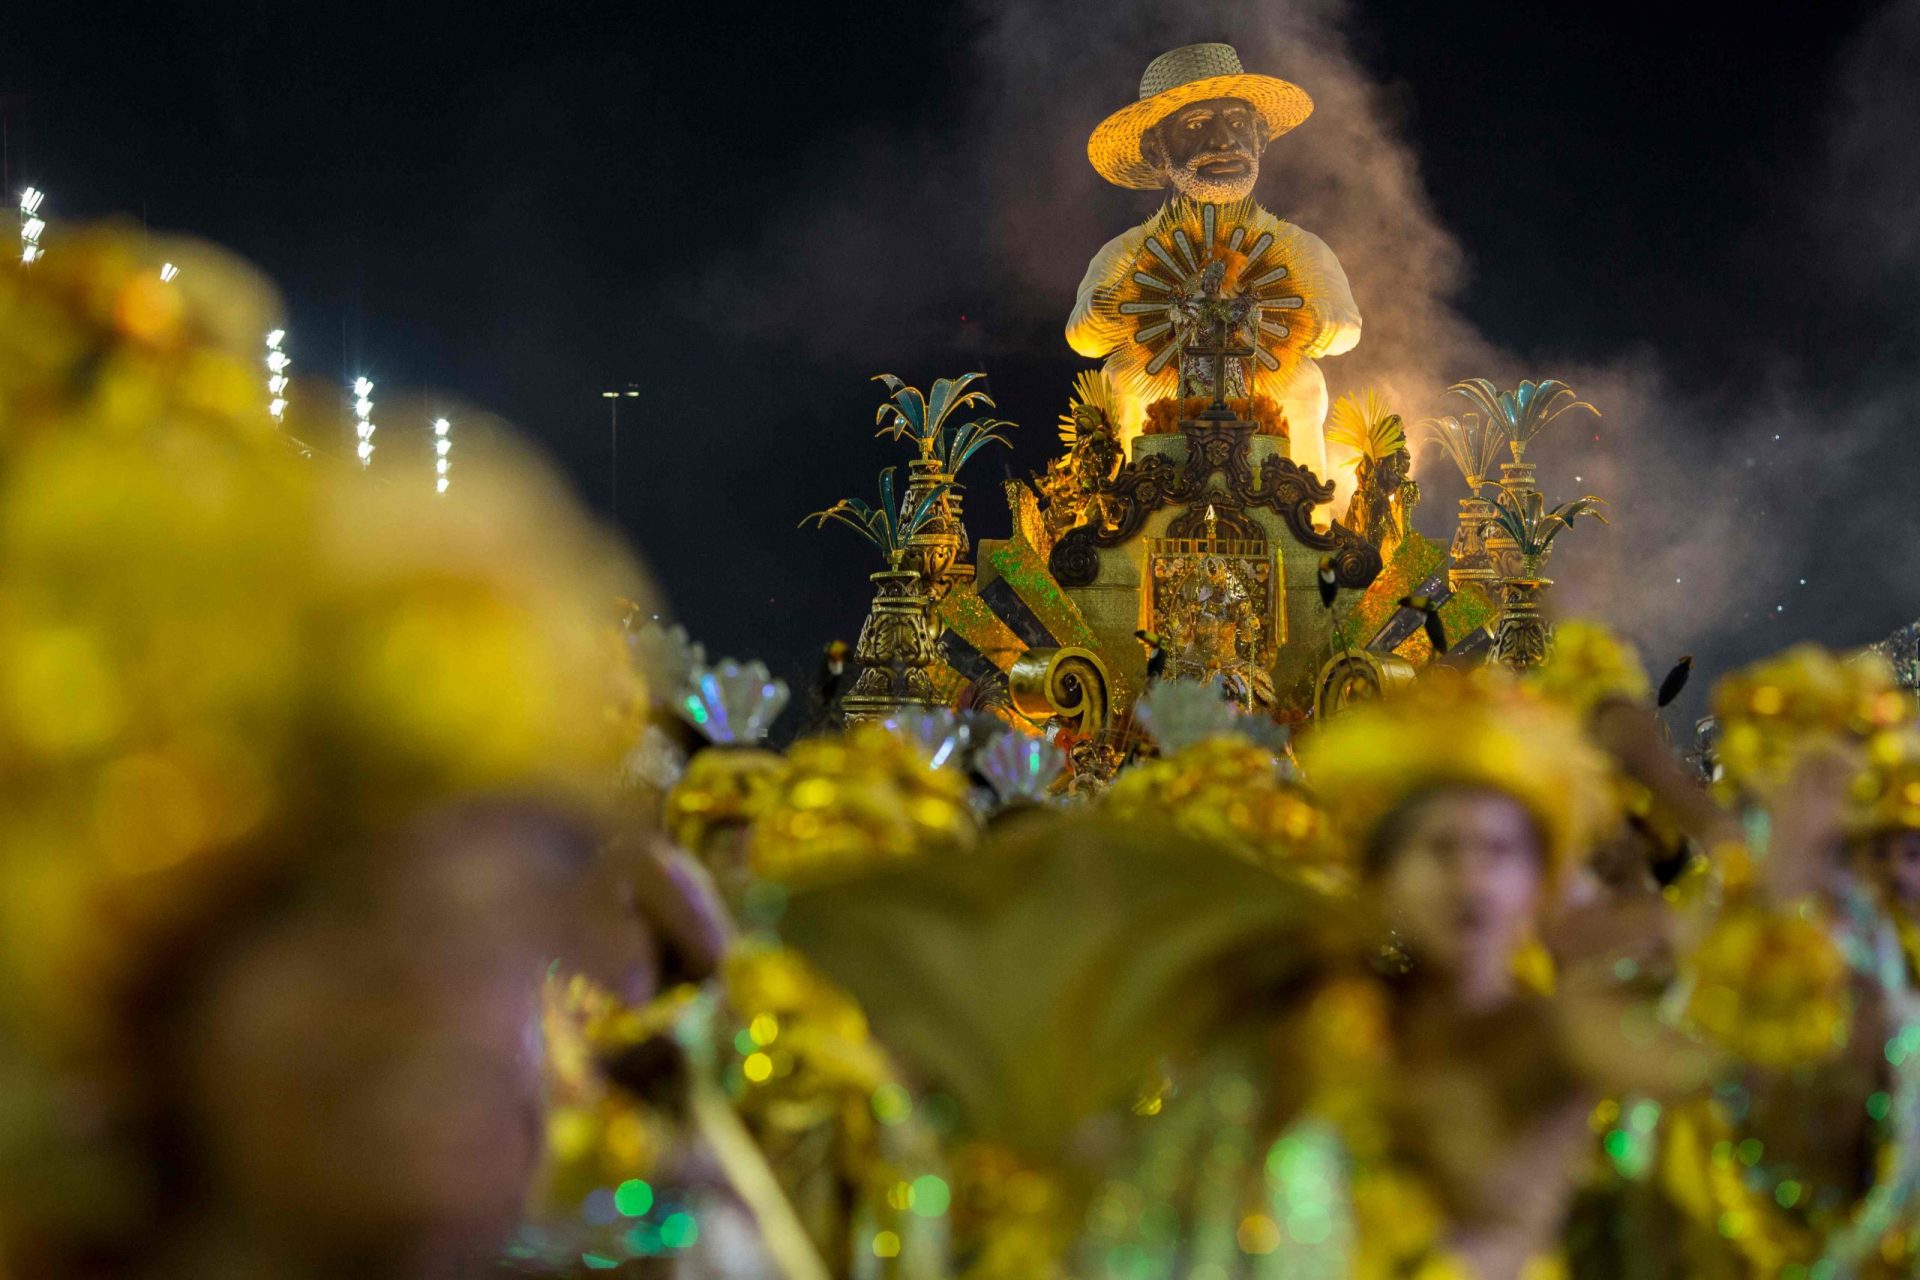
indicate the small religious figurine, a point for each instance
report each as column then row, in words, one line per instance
column 1211, row 254
column 1074, row 482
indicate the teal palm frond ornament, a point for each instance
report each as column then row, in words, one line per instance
column 885, row 525
column 927, row 419
column 1523, row 516
column 1471, row 440
column 1522, row 412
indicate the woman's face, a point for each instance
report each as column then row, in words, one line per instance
column 1900, row 853
column 1462, row 882
column 366, row 1067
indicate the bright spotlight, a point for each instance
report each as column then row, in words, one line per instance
column 363, row 414
column 167, row 272
column 31, row 225
column 442, row 446
column 277, row 381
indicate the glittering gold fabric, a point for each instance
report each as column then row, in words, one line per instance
column 855, row 801
column 1773, row 711
column 1227, row 790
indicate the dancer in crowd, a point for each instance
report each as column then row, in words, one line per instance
column 305, row 783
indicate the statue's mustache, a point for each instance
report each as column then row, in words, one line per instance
column 1216, row 157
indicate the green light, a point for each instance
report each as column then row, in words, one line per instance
column 930, row 1196
column 1878, row 1105
column 1310, row 1226
column 679, row 1231
column 892, row 1104
column 599, row 1262
column 1787, row 1194
column 633, row 1197
column 743, row 1042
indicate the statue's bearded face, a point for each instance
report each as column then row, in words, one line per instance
column 1208, row 150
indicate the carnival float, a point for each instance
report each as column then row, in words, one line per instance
column 1188, row 531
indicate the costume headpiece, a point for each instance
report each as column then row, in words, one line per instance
column 1482, row 733
column 1886, row 796
column 847, row 804
column 1228, row 790
column 1772, row 711
column 1191, row 73
column 1590, row 665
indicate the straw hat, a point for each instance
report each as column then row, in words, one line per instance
column 1191, row 73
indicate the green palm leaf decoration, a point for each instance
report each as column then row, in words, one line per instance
column 1472, row 441
column 1523, row 516
column 886, row 526
column 908, row 414
column 961, row 440
column 1523, row 411
column 1364, row 425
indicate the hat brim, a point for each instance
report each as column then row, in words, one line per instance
column 1114, row 147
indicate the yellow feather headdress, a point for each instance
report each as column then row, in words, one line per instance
column 1482, row 732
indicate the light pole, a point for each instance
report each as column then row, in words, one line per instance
column 613, row 399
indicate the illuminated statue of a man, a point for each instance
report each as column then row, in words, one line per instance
column 1198, row 131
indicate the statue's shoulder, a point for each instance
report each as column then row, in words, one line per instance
column 1114, row 258
column 1126, row 244
column 1291, row 231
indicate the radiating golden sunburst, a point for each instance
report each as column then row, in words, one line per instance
column 1160, row 292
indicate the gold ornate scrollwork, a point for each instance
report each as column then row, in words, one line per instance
column 1355, row 675
column 1070, row 683
column 1278, row 485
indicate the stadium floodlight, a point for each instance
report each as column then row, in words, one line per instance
column 31, row 225
column 363, row 427
column 442, row 446
column 277, row 362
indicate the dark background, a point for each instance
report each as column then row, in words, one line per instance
column 746, row 211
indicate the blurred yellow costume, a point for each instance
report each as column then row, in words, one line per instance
column 221, row 667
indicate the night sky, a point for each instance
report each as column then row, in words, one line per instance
column 748, row 210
